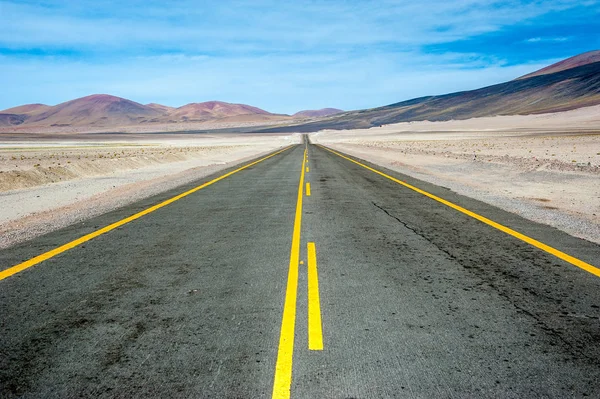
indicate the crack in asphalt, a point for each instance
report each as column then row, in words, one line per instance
column 551, row 331
column 400, row 221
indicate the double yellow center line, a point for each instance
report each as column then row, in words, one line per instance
column 283, row 373
column 283, row 367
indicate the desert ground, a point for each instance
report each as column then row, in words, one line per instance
column 242, row 121
column 47, row 184
column 543, row 167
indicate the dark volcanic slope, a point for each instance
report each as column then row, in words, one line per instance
column 560, row 91
column 11, row 119
column 578, row 60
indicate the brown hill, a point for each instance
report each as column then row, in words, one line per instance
column 317, row 113
column 573, row 62
column 27, row 109
column 214, row 110
column 102, row 110
column 159, row 107
column 97, row 109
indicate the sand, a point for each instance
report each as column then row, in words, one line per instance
column 543, row 167
column 47, row 185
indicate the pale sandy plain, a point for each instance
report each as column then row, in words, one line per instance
column 46, row 185
column 543, row 167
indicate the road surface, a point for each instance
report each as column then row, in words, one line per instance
column 305, row 275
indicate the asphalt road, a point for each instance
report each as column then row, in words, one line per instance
column 216, row 295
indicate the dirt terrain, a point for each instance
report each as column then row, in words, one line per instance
column 544, row 167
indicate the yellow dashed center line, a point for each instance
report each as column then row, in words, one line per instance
column 308, row 189
column 315, row 328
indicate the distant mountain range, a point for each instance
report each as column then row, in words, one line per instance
column 107, row 110
column 318, row 113
column 566, row 85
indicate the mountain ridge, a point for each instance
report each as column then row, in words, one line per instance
column 568, row 84
column 108, row 110
column 548, row 92
column 94, row 109
column 586, row 58
column 215, row 110
column 26, row 109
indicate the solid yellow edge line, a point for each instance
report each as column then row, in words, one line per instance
column 283, row 368
column 308, row 189
column 544, row 247
column 47, row 255
column 315, row 327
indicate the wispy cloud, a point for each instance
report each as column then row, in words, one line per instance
column 559, row 39
column 280, row 55
column 264, row 24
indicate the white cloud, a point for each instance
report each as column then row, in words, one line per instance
column 558, row 39
column 271, row 26
column 281, row 56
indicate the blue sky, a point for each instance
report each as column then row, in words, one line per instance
column 280, row 56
